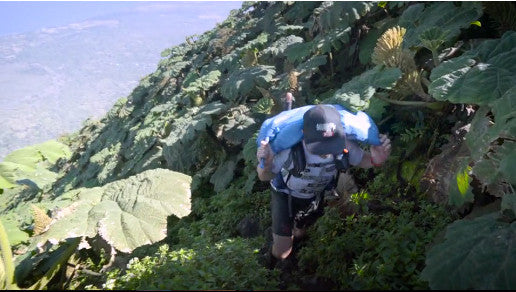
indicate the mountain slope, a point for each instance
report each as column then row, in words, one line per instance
column 416, row 68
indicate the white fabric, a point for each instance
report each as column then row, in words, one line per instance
column 318, row 172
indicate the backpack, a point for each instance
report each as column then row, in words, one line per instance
column 284, row 130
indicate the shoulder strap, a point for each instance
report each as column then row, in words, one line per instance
column 342, row 165
column 297, row 154
column 342, row 161
column 297, row 158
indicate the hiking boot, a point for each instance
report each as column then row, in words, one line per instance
column 287, row 265
column 286, row 268
column 266, row 258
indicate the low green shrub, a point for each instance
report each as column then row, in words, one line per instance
column 228, row 264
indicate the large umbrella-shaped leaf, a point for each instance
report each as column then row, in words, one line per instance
column 480, row 76
column 240, row 83
column 476, row 254
column 127, row 213
column 31, row 163
column 418, row 19
column 356, row 93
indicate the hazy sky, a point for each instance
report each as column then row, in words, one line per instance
column 27, row 16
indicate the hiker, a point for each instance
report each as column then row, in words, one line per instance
column 297, row 199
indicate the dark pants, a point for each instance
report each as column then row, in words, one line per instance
column 301, row 214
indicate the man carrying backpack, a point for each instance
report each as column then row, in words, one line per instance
column 297, row 194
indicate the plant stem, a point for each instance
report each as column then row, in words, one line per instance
column 425, row 81
column 56, row 267
column 405, row 103
column 432, row 144
column 424, row 95
column 330, row 56
column 7, row 258
column 435, row 57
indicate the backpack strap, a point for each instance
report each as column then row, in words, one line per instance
column 297, row 157
column 342, row 165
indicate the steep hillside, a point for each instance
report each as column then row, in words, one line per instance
column 162, row 192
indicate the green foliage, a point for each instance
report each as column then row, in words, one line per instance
column 508, row 206
column 223, row 175
column 433, row 38
column 263, row 106
column 333, row 40
column 11, row 227
column 32, row 163
column 237, row 125
column 199, row 86
column 476, row 254
column 492, row 64
column 227, row 264
column 373, row 251
column 240, row 84
column 126, row 213
column 6, row 262
column 186, row 129
column 356, row 93
column 199, row 113
column 460, row 190
column 420, row 17
column 279, row 47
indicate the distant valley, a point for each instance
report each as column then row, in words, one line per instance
column 54, row 79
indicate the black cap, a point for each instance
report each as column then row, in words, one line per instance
column 323, row 131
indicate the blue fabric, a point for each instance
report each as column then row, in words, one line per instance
column 286, row 128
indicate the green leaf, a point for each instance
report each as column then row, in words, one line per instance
column 6, row 261
column 460, row 191
column 31, row 163
column 242, row 82
column 480, row 76
column 298, row 52
column 508, row 166
column 333, row 40
column 223, row 175
column 494, row 168
column 504, row 111
column 279, row 47
column 463, row 180
column 418, row 18
column 127, row 213
column 433, row 38
column 508, row 206
column 356, row 93
column 184, row 131
column 477, row 254
column 312, row 64
column 494, row 160
column 238, row 125
column 382, row 4
column 477, row 23
column 4, row 183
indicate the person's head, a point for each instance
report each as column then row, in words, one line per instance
column 323, row 132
